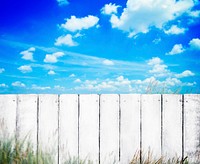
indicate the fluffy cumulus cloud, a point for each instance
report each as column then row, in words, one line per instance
column 140, row 15
column 76, row 24
column 28, row 54
column 185, row 74
column 25, row 69
column 51, row 72
column 177, row 49
column 195, row 44
column 109, row 9
column 53, row 58
column 174, row 29
column 124, row 85
column 159, row 69
column 2, row 70
column 108, row 62
column 62, row 2
column 66, row 40
column 18, row 84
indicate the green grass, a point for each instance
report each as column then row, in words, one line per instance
column 12, row 152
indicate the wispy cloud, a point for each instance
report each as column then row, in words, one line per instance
column 18, row 84
column 62, row 2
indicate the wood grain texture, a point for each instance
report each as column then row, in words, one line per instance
column 68, row 127
column 109, row 128
column 89, row 128
column 172, row 126
column 48, row 125
column 27, row 119
column 151, row 124
column 192, row 127
column 130, row 126
column 8, row 107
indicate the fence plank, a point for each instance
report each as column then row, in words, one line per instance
column 27, row 119
column 172, row 126
column 89, row 128
column 7, row 115
column 192, row 127
column 151, row 124
column 130, row 126
column 109, row 128
column 68, row 127
column 48, row 125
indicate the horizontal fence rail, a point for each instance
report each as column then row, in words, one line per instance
column 105, row 128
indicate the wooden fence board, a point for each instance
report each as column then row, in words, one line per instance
column 89, row 128
column 151, row 124
column 8, row 115
column 130, row 126
column 48, row 124
column 68, row 127
column 109, row 128
column 172, row 126
column 27, row 119
column 192, row 127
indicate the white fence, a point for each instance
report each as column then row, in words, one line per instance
column 105, row 128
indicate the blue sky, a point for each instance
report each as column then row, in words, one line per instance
column 99, row 46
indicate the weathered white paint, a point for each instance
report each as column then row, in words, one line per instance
column 109, row 128
column 48, row 124
column 151, row 124
column 192, row 127
column 7, row 115
column 89, row 128
column 27, row 119
column 172, row 126
column 68, row 120
column 130, row 126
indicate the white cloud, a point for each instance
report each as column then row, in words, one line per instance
column 18, row 84
column 53, row 58
column 195, row 44
column 177, row 49
column 35, row 87
column 77, row 81
column 108, row 62
column 2, row 70
column 185, row 74
column 74, row 24
column 158, row 68
column 28, row 54
column 109, row 9
column 62, row 2
column 3, row 85
column 140, row 15
column 25, row 69
column 72, row 75
column 194, row 14
column 66, row 40
column 51, row 72
column 58, row 87
column 154, row 61
column 174, row 29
